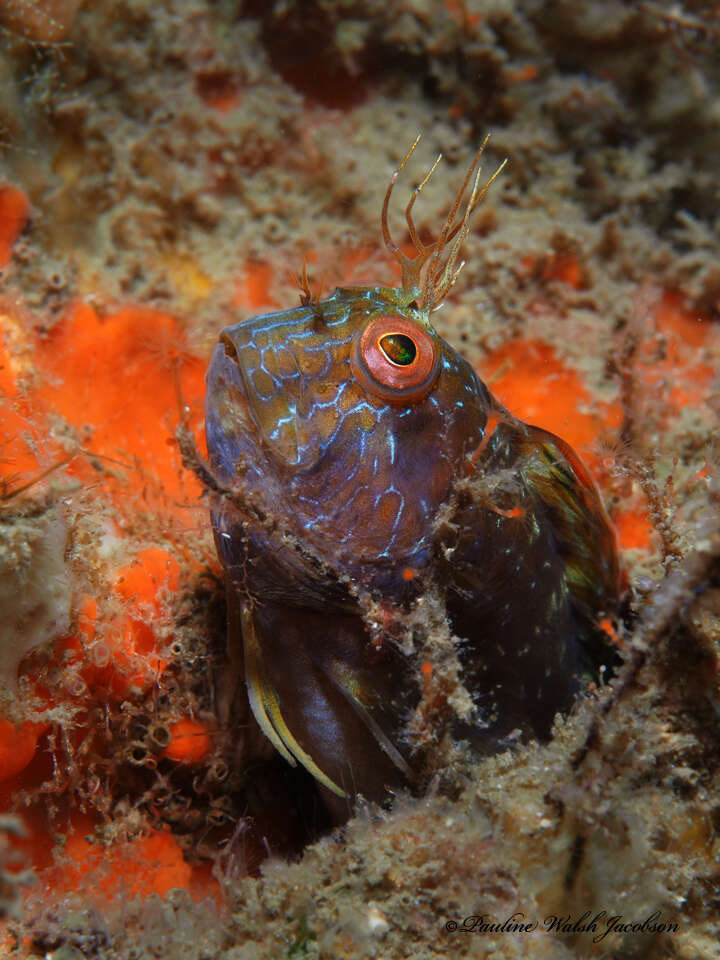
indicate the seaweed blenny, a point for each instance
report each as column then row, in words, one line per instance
column 358, row 463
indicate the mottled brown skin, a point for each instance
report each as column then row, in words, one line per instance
column 334, row 491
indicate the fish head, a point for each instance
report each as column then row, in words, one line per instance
column 349, row 419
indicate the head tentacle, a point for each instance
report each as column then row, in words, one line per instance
column 439, row 276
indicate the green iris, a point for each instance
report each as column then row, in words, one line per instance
column 398, row 349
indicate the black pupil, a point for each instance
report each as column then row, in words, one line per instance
column 398, row 348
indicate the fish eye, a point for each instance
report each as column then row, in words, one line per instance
column 398, row 348
column 395, row 359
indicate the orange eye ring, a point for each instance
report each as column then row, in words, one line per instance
column 395, row 359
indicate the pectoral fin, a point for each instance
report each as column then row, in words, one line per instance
column 345, row 685
column 265, row 706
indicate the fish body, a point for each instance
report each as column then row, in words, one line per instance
column 360, row 456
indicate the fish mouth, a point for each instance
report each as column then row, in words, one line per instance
column 243, row 456
column 236, row 383
column 270, row 401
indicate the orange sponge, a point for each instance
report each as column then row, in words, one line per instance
column 190, row 742
column 14, row 209
column 17, row 746
column 151, row 864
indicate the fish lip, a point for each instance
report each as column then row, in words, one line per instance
column 254, row 418
column 248, row 413
column 228, row 345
